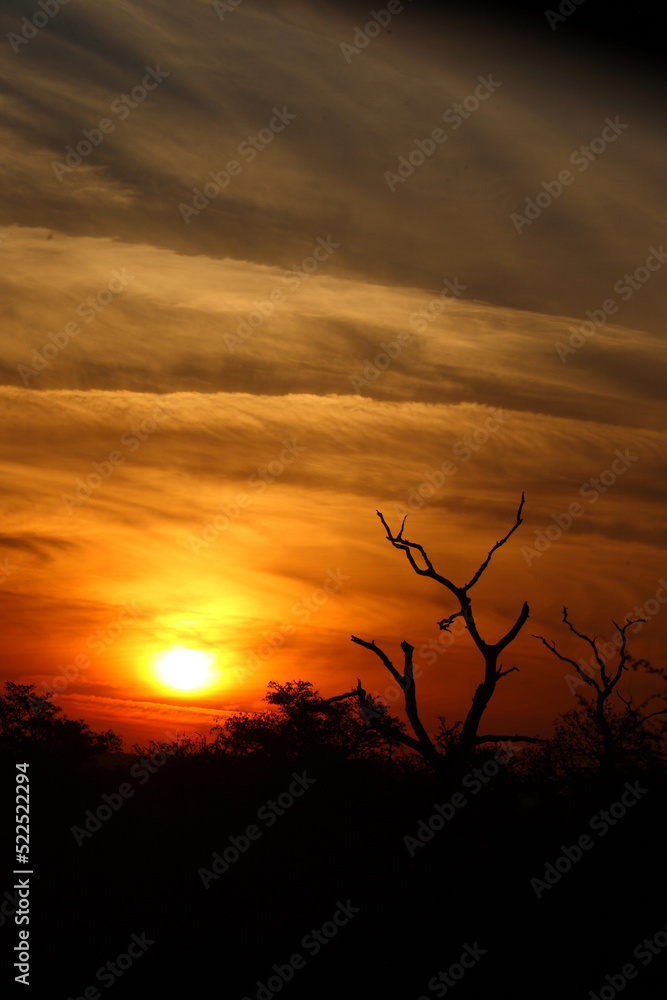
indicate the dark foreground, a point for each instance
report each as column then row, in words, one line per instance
column 320, row 895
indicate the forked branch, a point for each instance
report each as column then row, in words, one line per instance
column 399, row 542
column 502, row 541
column 603, row 688
column 406, row 682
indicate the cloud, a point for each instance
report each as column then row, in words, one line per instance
column 137, row 720
column 318, row 338
column 353, row 122
column 155, row 372
column 215, row 481
column 36, row 545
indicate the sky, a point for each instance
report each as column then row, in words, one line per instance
column 266, row 271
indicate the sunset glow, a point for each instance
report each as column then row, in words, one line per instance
column 184, row 669
column 333, row 507
column 252, row 311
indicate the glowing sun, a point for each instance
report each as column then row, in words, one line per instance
column 184, row 668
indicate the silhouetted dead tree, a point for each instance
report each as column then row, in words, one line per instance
column 468, row 739
column 375, row 715
column 603, row 687
column 423, row 743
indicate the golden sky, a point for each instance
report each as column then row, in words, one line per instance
column 206, row 395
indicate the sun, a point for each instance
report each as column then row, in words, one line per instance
column 183, row 668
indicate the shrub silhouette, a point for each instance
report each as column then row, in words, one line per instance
column 599, row 731
column 304, row 726
column 32, row 724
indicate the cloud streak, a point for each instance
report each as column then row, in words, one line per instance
column 119, row 311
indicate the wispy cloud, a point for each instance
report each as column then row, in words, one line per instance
column 103, row 358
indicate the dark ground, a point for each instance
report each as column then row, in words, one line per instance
column 341, row 841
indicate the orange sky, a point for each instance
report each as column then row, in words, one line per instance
column 209, row 379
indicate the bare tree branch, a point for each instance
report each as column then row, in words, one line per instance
column 336, row 697
column 566, row 659
column 446, row 622
column 514, row 631
column 610, row 740
column 410, row 695
column 369, row 715
column 624, row 640
column 383, row 656
column 504, row 673
column 639, row 719
column 591, row 643
column 651, row 715
column 497, row 546
column 422, row 565
column 401, row 543
column 407, row 684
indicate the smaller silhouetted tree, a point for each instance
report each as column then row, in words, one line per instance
column 30, row 723
column 302, row 725
column 599, row 732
